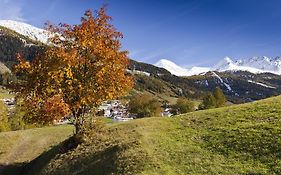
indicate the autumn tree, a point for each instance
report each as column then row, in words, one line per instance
column 82, row 67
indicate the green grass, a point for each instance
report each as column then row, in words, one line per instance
column 25, row 145
column 241, row 139
column 4, row 122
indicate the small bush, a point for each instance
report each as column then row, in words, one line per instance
column 208, row 102
column 183, row 105
column 219, row 96
column 144, row 105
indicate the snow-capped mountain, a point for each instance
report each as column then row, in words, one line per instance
column 228, row 65
column 27, row 30
column 254, row 65
column 179, row 71
column 172, row 67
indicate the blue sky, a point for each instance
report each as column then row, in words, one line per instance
column 188, row 32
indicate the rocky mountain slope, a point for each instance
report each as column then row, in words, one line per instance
column 12, row 43
column 26, row 30
column 238, row 86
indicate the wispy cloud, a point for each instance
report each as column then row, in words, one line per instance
column 11, row 10
column 160, row 53
column 134, row 53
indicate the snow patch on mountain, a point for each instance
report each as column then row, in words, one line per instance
column 180, row 71
column 172, row 67
column 27, row 30
column 261, row 84
column 224, row 83
column 198, row 70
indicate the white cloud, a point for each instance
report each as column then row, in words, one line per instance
column 11, row 9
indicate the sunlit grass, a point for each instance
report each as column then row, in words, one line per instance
column 241, row 139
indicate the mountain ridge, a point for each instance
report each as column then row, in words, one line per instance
column 239, row 86
column 255, row 65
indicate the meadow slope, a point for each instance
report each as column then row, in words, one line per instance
column 241, row 139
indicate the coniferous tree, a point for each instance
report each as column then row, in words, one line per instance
column 183, row 105
column 208, row 102
column 219, row 96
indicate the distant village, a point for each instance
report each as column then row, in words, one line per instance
column 113, row 109
column 118, row 112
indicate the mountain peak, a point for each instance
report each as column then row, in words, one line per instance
column 224, row 64
column 172, row 67
column 228, row 59
column 165, row 62
column 179, row 71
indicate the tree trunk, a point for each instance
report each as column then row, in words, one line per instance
column 79, row 120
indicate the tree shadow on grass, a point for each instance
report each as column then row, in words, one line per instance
column 36, row 165
column 102, row 162
column 12, row 169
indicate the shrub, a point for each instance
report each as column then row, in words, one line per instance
column 219, row 96
column 215, row 100
column 183, row 105
column 208, row 102
column 144, row 105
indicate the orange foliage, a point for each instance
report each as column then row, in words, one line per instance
column 83, row 67
column 54, row 108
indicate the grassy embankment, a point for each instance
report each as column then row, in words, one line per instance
column 240, row 139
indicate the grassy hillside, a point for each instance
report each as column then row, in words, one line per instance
column 242, row 139
column 25, row 145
